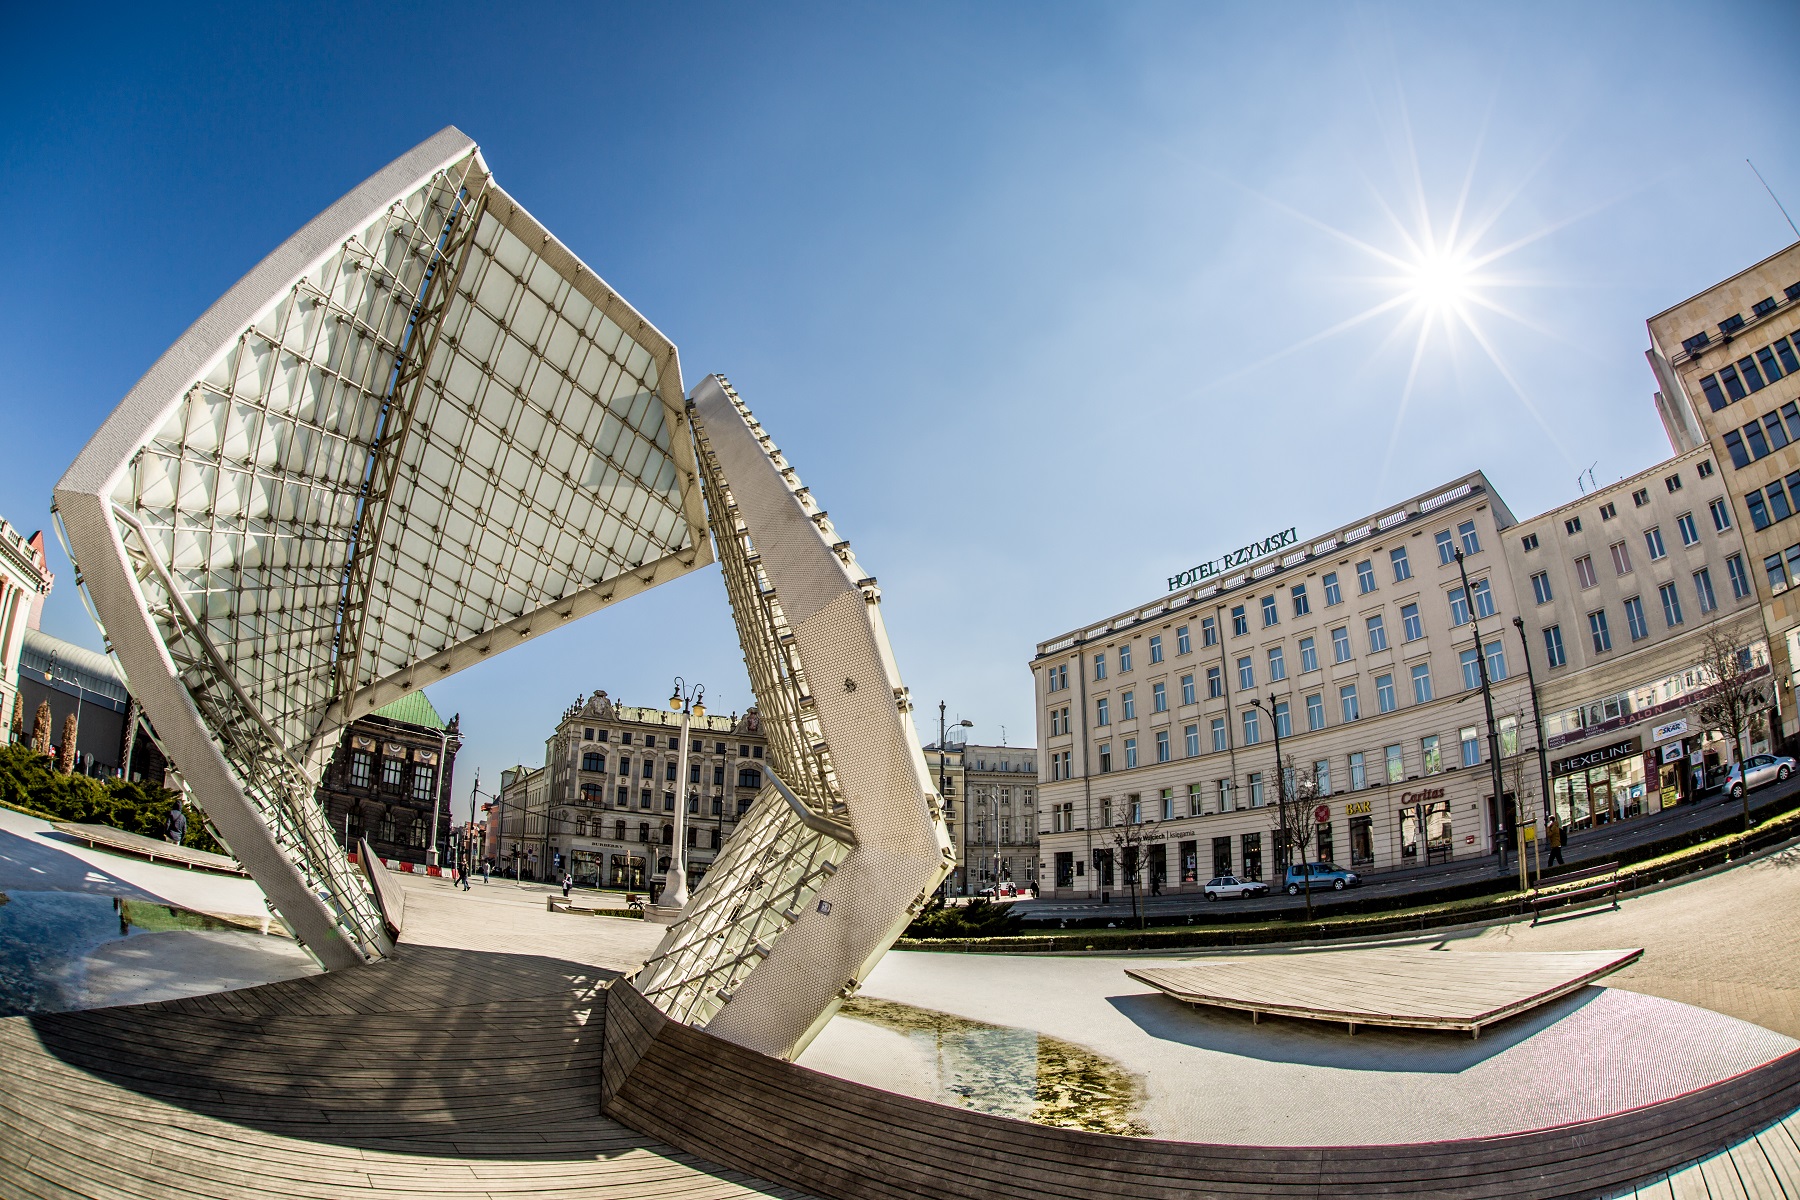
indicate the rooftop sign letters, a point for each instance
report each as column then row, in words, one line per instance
column 1237, row 558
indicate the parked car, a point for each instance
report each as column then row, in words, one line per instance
column 1761, row 769
column 1324, row 875
column 1233, row 888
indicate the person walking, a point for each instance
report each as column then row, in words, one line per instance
column 177, row 826
column 1556, row 842
column 568, row 882
column 463, row 870
column 484, row 869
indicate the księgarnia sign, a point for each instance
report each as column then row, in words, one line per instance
column 1242, row 556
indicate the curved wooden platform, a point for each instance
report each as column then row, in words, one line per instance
column 105, row 837
column 1407, row 988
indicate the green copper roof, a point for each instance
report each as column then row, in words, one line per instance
column 414, row 709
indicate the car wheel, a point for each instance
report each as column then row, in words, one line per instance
column 1212, row 895
column 1783, row 773
column 1338, row 886
column 1737, row 791
column 1292, row 890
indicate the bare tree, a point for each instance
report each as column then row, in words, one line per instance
column 40, row 729
column 65, row 758
column 1735, row 696
column 1130, row 842
column 1297, row 794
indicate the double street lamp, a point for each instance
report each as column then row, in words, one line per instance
column 1280, row 780
column 690, row 703
column 944, row 790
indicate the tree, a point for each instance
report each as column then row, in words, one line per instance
column 65, row 756
column 1735, row 695
column 18, row 718
column 40, row 729
column 1297, row 793
column 1130, row 842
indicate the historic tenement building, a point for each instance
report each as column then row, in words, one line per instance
column 604, row 810
column 25, row 580
column 390, row 769
column 999, row 820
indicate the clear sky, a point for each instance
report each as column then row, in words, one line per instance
column 1046, row 301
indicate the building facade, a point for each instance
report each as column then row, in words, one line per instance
column 603, row 808
column 25, row 581
column 946, row 766
column 1727, row 365
column 1618, row 590
column 999, row 828
column 112, row 738
column 1158, row 726
column 391, row 770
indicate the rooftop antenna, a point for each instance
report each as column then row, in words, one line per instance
column 1774, row 197
column 1587, row 475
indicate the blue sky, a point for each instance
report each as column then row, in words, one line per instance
column 1032, row 294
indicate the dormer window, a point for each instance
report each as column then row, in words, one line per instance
column 1763, row 307
column 1731, row 324
column 1697, row 343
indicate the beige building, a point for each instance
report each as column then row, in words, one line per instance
column 1359, row 646
column 1727, row 364
column 1616, row 591
column 946, row 766
column 999, row 829
column 25, row 580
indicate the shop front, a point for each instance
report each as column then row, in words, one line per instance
column 1605, row 784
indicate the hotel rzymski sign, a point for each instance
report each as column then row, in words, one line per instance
column 1243, row 556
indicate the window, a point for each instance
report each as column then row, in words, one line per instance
column 1322, row 774
column 1785, row 352
column 1187, row 689
column 1653, row 542
column 1411, row 627
column 1156, row 648
column 1192, row 733
column 1471, row 746
column 1778, row 579
column 1721, row 514
column 1671, row 605
column 1553, row 646
column 1759, row 512
column 1572, row 525
column 1621, row 558
column 1584, row 572
column 1365, row 577
column 1215, row 683
column 1634, row 619
column 1057, row 678
column 1459, row 607
column 1377, row 634
column 1470, row 543
column 1540, row 587
column 1218, row 734
column 1340, row 644
column 1347, row 702
column 1529, row 542
column 1277, row 664
column 1359, row 773
column 749, row 777
column 1691, row 535
column 1252, row 727
column 1105, row 763
column 1315, row 712
column 1284, row 721
column 1302, row 606
column 1162, row 746
column 1608, row 511
column 1125, row 658
column 1099, row 664
column 1421, row 681
column 1224, row 807
column 1734, row 446
column 1127, row 706
column 1309, row 655
column 391, row 771
column 1446, row 548
column 1396, row 765
column 1673, row 482
column 1246, row 673
column 1402, row 569
column 1471, row 669
column 362, row 768
column 1430, row 757
column 1332, row 594
column 1209, row 631
column 1270, row 616
column 593, row 762
column 1740, row 579
column 1384, row 694
column 1159, row 698
column 1103, row 711
column 1747, row 368
column 1484, row 598
column 1598, row 630
column 1240, row 624
column 1714, row 397
column 1182, row 643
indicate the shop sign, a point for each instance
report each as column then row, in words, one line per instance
column 1322, row 814
column 1670, row 796
column 1242, row 556
column 1673, row 729
column 1424, row 794
column 1594, row 758
column 1356, row 808
column 1672, row 752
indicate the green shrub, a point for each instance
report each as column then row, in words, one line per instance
column 978, row 918
column 29, row 780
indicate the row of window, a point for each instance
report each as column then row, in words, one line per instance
column 1542, row 592
column 1600, row 629
column 1609, row 510
column 1771, row 504
column 620, row 833
column 1751, row 373
column 594, row 793
column 423, row 782
column 1763, row 436
column 671, row 740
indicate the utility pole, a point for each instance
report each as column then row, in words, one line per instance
column 1537, row 719
column 944, row 794
column 1487, row 703
column 1280, row 783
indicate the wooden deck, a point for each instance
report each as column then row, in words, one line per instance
column 1413, row 989
column 105, row 837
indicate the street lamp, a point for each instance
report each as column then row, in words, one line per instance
column 1280, row 782
column 690, row 704
column 944, row 789
column 1487, row 702
column 437, row 795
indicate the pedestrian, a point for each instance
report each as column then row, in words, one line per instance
column 484, row 870
column 177, row 826
column 463, row 870
column 568, row 882
column 1556, row 842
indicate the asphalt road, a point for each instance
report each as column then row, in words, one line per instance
column 1586, row 846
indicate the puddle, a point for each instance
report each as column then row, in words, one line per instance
column 1007, row 1071
column 46, row 936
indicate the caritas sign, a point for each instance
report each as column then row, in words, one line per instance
column 1421, row 796
column 1594, row 758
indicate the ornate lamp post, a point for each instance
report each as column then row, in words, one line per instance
column 690, row 704
column 944, row 792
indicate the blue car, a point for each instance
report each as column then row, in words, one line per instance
column 1323, row 874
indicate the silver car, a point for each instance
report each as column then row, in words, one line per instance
column 1233, row 888
column 1760, row 769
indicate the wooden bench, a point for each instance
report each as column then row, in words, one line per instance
column 1590, row 884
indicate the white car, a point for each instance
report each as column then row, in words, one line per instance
column 1233, row 888
column 1761, row 769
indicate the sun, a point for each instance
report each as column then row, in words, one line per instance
column 1441, row 279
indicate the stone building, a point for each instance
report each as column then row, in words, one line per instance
column 999, row 828
column 391, row 768
column 25, row 580
column 945, row 765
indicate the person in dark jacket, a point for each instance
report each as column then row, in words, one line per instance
column 1556, row 842
column 177, row 826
